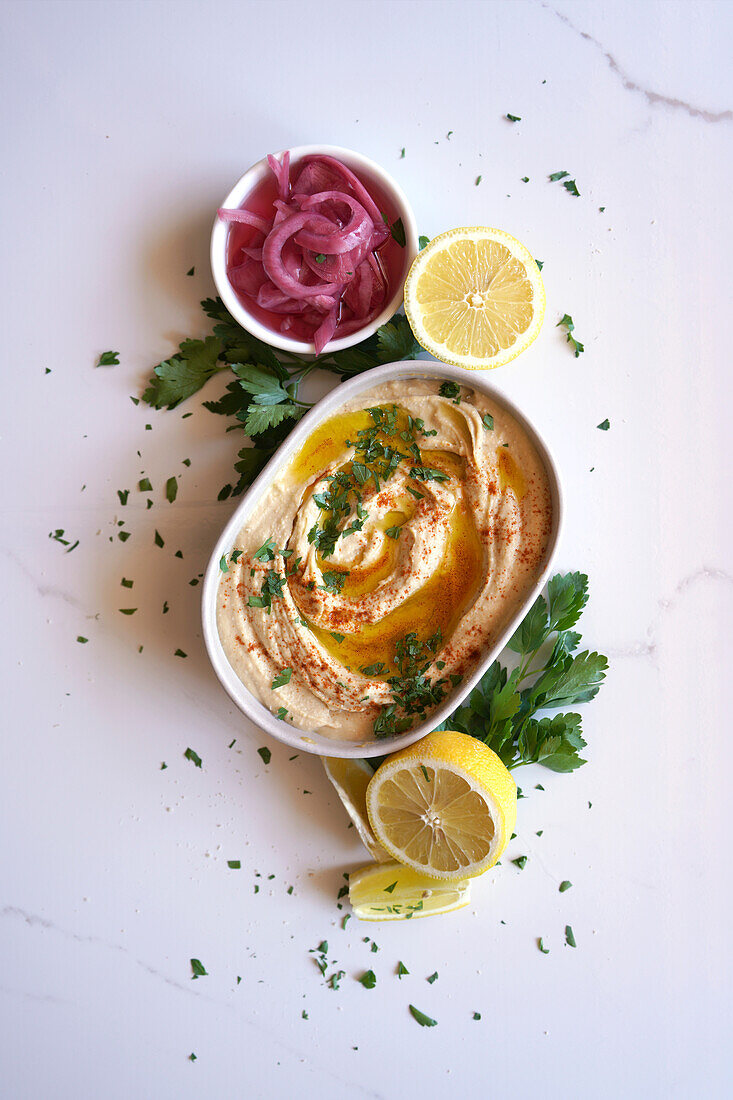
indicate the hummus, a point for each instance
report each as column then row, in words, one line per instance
column 385, row 559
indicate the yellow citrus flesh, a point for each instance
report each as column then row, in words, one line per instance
column 391, row 891
column 474, row 297
column 445, row 806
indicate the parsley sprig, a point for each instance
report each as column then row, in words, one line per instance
column 263, row 395
column 501, row 709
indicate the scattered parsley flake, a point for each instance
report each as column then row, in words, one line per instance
column 541, row 945
column 540, row 264
column 126, row 583
column 123, row 494
column 81, row 639
column 223, row 564
column 109, row 359
column 525, row 179
column 180, row 653
column 423, row 242
column 171, row 489
column 401, row 970
column 477, row 1015
column 199, row 970
column 604, row 425
column 235, row 864
column 282, row 678
column 571, row 187
column 488, row 422
column 127, row 610
column 478, row 180
column 564, row 885
column 145, row 485
column 158, row 539
column 569, row 937
column 566, row 322
column 282, row 713
column 163, row 766
column 265, row 753
column 190, row 271
column 192, row 1057
column 514, row 118
column 520, row 862
column 368, row 979
column 558, row 176
column 422, row 1019
column 432, row 977
column 193, row 756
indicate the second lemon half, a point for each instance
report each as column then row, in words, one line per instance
column 474, row 297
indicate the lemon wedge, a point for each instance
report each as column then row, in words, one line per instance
column 391, row 891
column 474, row 297
column 351, row 779
column 445, row 806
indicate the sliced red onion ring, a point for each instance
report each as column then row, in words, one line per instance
column 272, row 256
column 246, row 217
column 356, row 232
column 281, row 173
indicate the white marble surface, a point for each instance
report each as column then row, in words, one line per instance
column 123, row 125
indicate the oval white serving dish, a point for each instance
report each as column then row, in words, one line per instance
column 310, row 741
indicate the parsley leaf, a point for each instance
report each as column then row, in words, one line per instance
column 181, row 376
column 514, row 118
column 566, row 322
column 193, row 757
column 171, row 489
column 368, row 979
column 198, row 968
column 265, row 753
column 109, row 359
column 604, row 425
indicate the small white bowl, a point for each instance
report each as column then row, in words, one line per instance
column 309, row 740
column 237, row 197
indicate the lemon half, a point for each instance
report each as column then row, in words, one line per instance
column 474, row 297
column 445, row 806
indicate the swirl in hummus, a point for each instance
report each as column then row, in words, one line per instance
column 385, row 559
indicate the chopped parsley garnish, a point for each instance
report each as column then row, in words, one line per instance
column 282, row 713
column 171, row 489
column 333, row 581
column 558, row 176
column 389, row 889
column 520, row 862
column 604, row 425
column 525, row 179
column 423, row 242
column 337, row 637
column 569, row 937
column 127, row 610
column 477, row 1015
column 320, row 258
column 145, row 485
column 571, row 187
column 488, row 422
column 193, row 757
column 424, row 770
column 109, row 359
column 540, row 264
column 180, row 653
column 265, row 753
column 158, row 540
column 223, row 564
column 449, row 389
column 566, row 322
column 126, row 583
column 81, row 639
column 282, row 678
column 235, row 864
column 368, row 979
column 422, row 1019
column 541, row 945
column 514, row 118
column 397, row 231
column 432, row 977
column 190, row 271
column 401, row 969
column 393, row 532
column 123, row 494
column 478, row 180
column 266, row 552
column 198, row 968
column 564, row 885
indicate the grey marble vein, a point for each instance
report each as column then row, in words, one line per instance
column 654, row 99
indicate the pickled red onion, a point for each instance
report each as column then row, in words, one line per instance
column 313, row 260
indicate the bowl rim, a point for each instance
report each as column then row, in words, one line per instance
column 237, row 196
column 257, row 712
